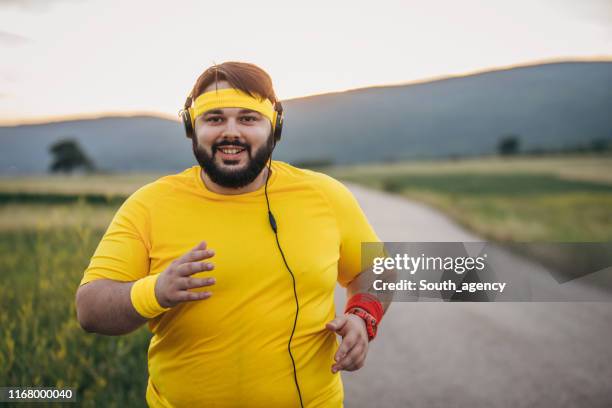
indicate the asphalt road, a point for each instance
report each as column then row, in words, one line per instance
column 440, row 354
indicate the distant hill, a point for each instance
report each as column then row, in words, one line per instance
column 114, row 143
column 550, row 106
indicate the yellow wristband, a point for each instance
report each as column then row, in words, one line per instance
column 143, row 297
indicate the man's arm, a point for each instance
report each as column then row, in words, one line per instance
column 352, row 352
column 104, row 306
column 364, row 283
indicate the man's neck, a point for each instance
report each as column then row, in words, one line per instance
column 256, row 184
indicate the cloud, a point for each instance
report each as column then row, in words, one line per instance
column 597, row 11
column 12, row 39
column 31, row 5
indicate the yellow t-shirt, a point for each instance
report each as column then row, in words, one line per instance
column 231, row 350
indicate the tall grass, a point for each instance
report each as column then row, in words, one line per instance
column 41, row 342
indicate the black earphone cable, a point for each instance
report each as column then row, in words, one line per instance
column 297, row 305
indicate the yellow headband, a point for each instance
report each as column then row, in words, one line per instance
column 231, row 98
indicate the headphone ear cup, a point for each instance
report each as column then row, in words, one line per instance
column 278, row 127
column 186, row 117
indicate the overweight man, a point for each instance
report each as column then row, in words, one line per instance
column 232, row 264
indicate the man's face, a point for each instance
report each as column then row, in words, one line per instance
column 232, row 145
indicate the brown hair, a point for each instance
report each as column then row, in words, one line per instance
column 249, row 78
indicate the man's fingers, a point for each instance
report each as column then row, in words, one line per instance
column 185, row 295
column 182, row 294
column 198, row 282
column 352, row 361
column 351, row 354
column 348, row 342
column 196, row 256
column 345, row 363
column 201, row 245
column 189, row 268
column 336, row 324
column 187, row 257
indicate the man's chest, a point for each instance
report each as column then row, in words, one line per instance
column 244, row 243
column 252, row 281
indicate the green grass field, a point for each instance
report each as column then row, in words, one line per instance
column 41, row 342
column 554, row 199
column 50, row 226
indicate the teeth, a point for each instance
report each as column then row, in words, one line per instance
column 231, row 151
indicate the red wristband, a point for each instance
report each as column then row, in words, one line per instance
column 367, row 302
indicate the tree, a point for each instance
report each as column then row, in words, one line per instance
column 600, row 144
column 68, row 156
column 509, row 145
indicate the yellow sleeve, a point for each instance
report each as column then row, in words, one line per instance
column 123, row 252
column 355, row 229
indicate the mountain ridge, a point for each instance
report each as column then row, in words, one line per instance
column 552, row 105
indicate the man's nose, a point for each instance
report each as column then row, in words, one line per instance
column 231, row 128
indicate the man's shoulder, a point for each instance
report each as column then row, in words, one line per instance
column 321, row 181
column 162, row 186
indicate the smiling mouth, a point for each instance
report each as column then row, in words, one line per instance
column 230, row 152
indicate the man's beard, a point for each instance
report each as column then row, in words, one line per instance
column 228, row 177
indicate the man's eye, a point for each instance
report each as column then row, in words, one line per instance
column 249, row 118
column 214, row 119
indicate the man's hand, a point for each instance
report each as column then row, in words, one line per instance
column 352, row 352
column 173, row 283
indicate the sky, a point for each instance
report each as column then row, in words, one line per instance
column 67, row 58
